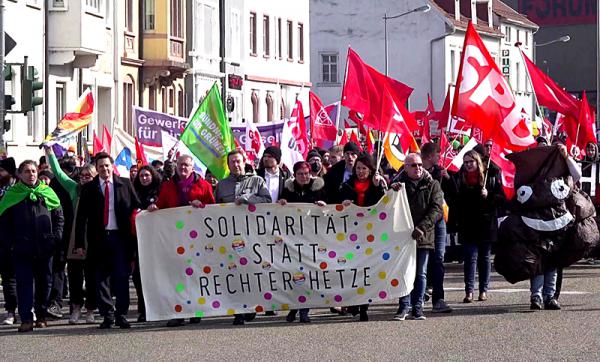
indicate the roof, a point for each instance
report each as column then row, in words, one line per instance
column 500, row 9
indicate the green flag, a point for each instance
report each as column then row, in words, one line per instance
column 208, row 135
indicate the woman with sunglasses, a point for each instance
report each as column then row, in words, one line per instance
column 479, row 196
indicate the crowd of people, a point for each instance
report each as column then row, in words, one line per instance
column 67, row 228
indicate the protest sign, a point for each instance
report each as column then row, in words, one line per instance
column 149, row 124
column 226, row 259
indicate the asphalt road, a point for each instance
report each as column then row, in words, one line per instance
column 503, row 328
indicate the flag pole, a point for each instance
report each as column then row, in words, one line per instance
column 486, row 171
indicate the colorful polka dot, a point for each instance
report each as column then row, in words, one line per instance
column 360, row 291
column 206, row 270
column 370, row 238
column 332, row 254
column 259, row 309
column 353, row 237
column 193, row 234
column 382, row 216
column 386, row 256
column 382, row 294
column 338, row 298
column 197, row 254
column 301, row 299
column 394, row 282
column 368, row 251
column 268, row 296
column 349, row 256
column 285, row 307
column 340, row 236
column 189, row 271
column 178, row 308
column 385, row 199
column 243, row 261
column 201, row 300
column 199, row 314
column 360, row 214
column 216, row 304
column 251, row 208
column 230, row 311
column 323, row 265
column 382, row 275
column 179, row 224
column 369, row 226
column 384, row 237
column 339, row 207
column 222, row 250
column 179, row 287
column 189, row 302
column 180, row 250
column 373, row 212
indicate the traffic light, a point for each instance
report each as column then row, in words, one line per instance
column 28, row 87
column 8, row 73
column 6, row 125
column 9, row 101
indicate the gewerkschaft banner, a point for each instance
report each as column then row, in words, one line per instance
column 226, row 259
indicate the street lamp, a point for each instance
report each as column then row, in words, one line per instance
column 421, row 9
column 562, row 39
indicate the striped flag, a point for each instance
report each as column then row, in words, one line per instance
column 73, row 122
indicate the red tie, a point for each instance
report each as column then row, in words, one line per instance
column 106, row 202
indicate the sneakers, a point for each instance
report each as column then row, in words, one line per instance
column 401, row 314
column 441, row 307
column 89, row 317
column 54, row 311
column 75, row 314
column 552, row 304
column 417, row 314
column 482, row 297
column 9, row 320
column 536, row 303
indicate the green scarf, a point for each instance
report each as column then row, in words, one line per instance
column 20, row 192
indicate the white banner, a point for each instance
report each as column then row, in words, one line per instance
column 226, row 259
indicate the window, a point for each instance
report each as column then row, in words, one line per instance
column 518, row 35
column 171, row 98
column 94, row 5
column 209, row 12
column 330, row 65
column 176, row 19
column 234, row 34
column 252, row 33
column 453, row 66
column 266, row 38
column 290, row 30
column 254, row 99
column 128, row 101
column 279, row 31
column 301, row 41
column 31, row 122
column 149, row 15
column 61, row 101
column 163, row 92
column 269, row 101
column 129, row 15
column 180, row 102
column 152, row 98
column 59, row 4
column 526, row 38
column 507, row 34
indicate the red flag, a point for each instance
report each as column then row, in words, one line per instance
column 580, row 131
column 358, row 119
column 549, row 94
column 106, row 138
column 354, row 138
column 298, row 127
column 444, row 115
column 98, row 146
column 344, row 139
column 447, row 152
column 394, row 116
column 484, row 99
column 507, row 169
column 370, row 146
column 140, row 155
column 254, row 146
column 322, row 127
column 363, row 93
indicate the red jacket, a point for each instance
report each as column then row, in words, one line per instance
column 201, row 190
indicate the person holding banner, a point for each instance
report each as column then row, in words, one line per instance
column 274, row 175
column 103, row 219
column 478, row 197
column 185, row 188
column 31, row 224
column 425, row 199
column 241, row 187
column 306, row 189
column 364, row 188
column 340, row 172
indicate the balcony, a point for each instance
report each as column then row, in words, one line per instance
column 76, row 34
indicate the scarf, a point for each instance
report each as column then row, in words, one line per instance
column 20, row 192
column 183, row 189
column 472, row 178
column 361, row 188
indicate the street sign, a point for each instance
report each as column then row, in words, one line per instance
column 9, row 43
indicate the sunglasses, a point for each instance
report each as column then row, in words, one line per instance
column 416, row 165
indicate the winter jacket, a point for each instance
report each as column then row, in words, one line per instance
column 249, row 188
column 29, row 228
column 312, row 192
column 334, row 178
column 476, row 217
column 425, row 199
column 372, row 195
column 201, row 190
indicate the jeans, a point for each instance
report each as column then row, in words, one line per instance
column 435, row 267
column 9, row 281
column 415, row 298
column 80, row 270
column 544, row 285
column 58, row 280
column 477, row 256
column 34, row 279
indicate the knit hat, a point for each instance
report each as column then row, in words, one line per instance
column 313, row 153
column 8, row 164
column 274, row 152
column 351, row 147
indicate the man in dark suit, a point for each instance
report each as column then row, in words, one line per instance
column 103, row 217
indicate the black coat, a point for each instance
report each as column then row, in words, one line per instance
column 334, row 178
column 312, row 192
column 372, row 195
column 29, row 228
column 90, row 214
column 476, row 217
column 147, row 194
